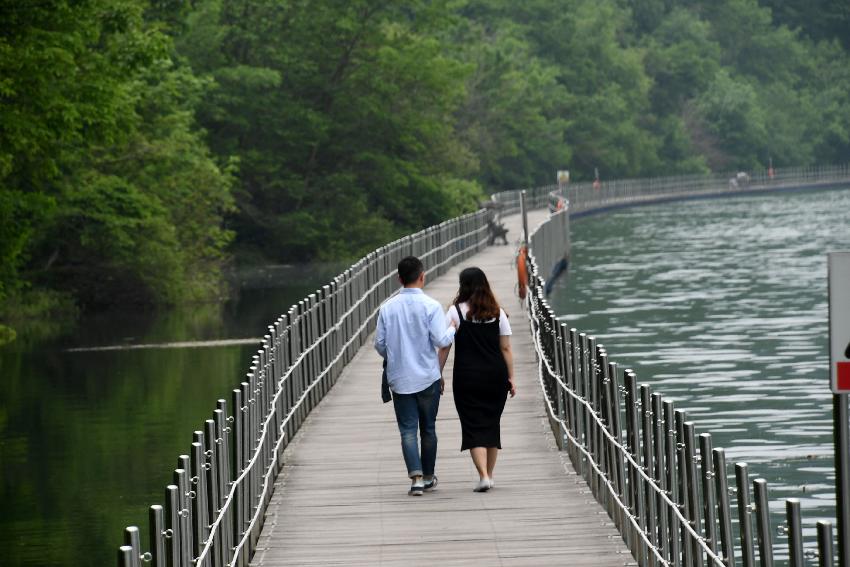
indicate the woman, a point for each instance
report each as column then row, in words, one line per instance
column 483, row 370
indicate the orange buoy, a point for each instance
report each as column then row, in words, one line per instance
column 522, row 271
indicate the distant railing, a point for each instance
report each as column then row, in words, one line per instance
column 589, row 197
column 669, row 499
column 593, row 196
column 215, row 508
column 586, row 196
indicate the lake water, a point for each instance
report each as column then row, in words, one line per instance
column 89, row 440
column 721, row 305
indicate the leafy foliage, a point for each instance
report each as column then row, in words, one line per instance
column 107, row 190
column 146, row 143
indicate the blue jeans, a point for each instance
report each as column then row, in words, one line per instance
column 418, row 410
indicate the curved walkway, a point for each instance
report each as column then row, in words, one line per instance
column 341, row 497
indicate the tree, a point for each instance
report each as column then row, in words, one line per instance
column 609, row 104
column 751, row 44
column 828, row 86
column 99, row 161
column 818, row 19
column 733, row 113
column 340, row 111
column 512, row 116
column 682, row 60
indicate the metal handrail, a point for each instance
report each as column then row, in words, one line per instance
column 214, row 510
column 545, row 368
column 671, row 504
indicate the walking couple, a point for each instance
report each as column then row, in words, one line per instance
column 414, row 337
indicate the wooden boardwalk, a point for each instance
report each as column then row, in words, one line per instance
column 341, row 498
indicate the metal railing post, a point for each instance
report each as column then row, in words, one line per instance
column 841, row 441
column 199, row 500
column 825, row 547
column 745, row 512
column 659, row 474
column 156, row 525
column 181, row 480
column 524, row 213
column 632, row 496
column 670, row 443
column 795, row 533
column 722, row 485
column 172, row 525
column 581, row 389
column 763, row 523
column 133, row 541
column 572, row 417
column 647, row 462
column 224, row 461
column 239, row 461
column 684, row 489
column 618, row 465
column 125, row 556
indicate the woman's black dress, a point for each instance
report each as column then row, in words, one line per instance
column 480, row 382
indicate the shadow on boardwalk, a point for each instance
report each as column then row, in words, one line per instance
column 341, row 498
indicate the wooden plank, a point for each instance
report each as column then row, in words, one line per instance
column 341, row 498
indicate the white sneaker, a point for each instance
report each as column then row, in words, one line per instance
column 417, row 488
column 482, row 486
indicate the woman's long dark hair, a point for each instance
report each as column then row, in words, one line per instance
column 475, row 291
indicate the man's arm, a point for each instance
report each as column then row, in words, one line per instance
column 381, row 336
column 442, row 333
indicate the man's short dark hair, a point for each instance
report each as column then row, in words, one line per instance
column 409, row 269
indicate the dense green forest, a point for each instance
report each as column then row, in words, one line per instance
column 145, row 145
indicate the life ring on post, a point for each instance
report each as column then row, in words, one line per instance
column 522, row 271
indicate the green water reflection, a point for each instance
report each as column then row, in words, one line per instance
column 89, row 440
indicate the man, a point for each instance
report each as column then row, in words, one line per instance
column 411, row 327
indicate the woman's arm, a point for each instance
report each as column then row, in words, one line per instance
column 505, row 345
column 443, row 354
